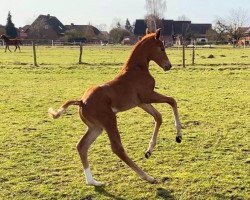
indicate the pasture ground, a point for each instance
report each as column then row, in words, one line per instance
column 38, row 155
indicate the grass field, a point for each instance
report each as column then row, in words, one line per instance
column 38, row 155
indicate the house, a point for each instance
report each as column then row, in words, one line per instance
column 198, row 32
column 46, row 27
column 175, row 31
column 22, row 32
column 246, row 38
column 2, row 30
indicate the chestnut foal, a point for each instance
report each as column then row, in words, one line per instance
column 134, row 86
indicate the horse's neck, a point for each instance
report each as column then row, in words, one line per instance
column 137, row 61
column 6, row 39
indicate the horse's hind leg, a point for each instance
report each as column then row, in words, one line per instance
column 110, row 125
column 158, row 121
column 19, row 48
column 92, row 133
column 15, row 48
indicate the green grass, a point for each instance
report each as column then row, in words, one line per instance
column 38, row 155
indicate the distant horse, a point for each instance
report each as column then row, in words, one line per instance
column 15, row 42
column 133, row 86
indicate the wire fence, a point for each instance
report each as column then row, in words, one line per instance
column 182, row 56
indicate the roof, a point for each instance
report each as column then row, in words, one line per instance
column 51, row 21
column 167, row 27
column 245, row 29
column 26, row 27
column 200, row 28
column 181, row 27
column 171, row 27
column 83, row 28
column 140, row 27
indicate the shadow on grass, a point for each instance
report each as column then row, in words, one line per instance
column 102, row 191
column 164, row 194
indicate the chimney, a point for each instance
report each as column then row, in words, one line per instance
column 48, row 15
column 72, row 24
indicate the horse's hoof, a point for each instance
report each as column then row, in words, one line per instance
column 95, row 183
column 152, row 180
column 147, row 154
column 178, row 139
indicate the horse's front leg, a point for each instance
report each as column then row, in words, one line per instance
column 15, row 48
column 155, row 97
column 158, row 121
column 8, row 48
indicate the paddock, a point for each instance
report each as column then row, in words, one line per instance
column 39, row 158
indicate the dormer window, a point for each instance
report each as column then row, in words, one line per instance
column 46, row 27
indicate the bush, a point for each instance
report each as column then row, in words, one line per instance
column 116, row 35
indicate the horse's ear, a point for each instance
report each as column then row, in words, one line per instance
column 147, row 31
column 158, row 33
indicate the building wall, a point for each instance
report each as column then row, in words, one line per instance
column 2, row 30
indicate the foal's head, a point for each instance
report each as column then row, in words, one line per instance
column 156, row 50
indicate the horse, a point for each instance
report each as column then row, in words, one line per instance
column 15, row 42
column 132, row 87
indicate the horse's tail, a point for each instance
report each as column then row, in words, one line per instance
column 57, row 113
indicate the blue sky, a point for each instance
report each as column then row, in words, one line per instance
column 98, row 12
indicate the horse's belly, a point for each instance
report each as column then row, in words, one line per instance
column 123, row 103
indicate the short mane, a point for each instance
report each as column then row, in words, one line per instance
column 141, row 41
column 146, row 37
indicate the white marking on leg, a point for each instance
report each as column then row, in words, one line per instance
column 177, row 121
column 89, row 178
column 60, row 111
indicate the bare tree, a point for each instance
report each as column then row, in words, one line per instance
column 115, row 23
column 183, row 18
column 102, row 27
column 236, row 21
column 222, row 30
column 211, row 35
column 232, row 24
column 155, row 12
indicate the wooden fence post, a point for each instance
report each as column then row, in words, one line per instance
column 193, row 55
column 34, row 54
column 80, row 56
column 183, row 54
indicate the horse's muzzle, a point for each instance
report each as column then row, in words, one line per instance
column 167, row 67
